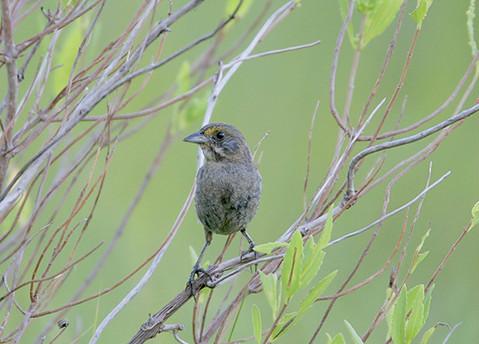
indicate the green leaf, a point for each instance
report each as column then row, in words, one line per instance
column 471, row 15
column 421, row 11
column 343, row 8
column 338, row 339
column 366, row 6
column 378, row 19
column 423, row 240
column 415, row 323
column 398, row 320
column 415, row 308
column 243, row 10
column 311, row 267
column 328, row 228
column 270, row 287
column 354, row 335
column 313, row 259
column 316, row 292
column 183, row 77
column 427, row 303
column 475, row 215
column 292, row 266
column 283, row 325
column 419, row 258
column 415, row 296
column 257, row 323
column 67, row 54
column 195, row 109
column 268, row 247
column 427, row 335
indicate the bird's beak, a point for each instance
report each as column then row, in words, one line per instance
column 197, row 137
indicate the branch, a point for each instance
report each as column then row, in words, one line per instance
column 402, row 141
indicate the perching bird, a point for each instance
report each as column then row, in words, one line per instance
column 228, row 185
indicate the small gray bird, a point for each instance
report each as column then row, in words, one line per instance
column 228, row 185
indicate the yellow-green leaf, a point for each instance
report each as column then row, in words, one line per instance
column 352, row 332
column 475, row 215
column 421, row 11
column 67, row 54
column 328, row 228
column 257, row 323
column 316, row 292
column 292, row 266
column 427, row 302
column 270, row 288
column 268, row 247
column 283, row 325
column 427, row 335
column 379, row 19
column 231, row 5
column 183, row 77
column 415, row 309
column 398, row 320
column 338, row 339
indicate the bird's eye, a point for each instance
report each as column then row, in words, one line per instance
column 220, row 135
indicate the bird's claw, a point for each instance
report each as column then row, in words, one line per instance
column 197, row 270
column 250, row 250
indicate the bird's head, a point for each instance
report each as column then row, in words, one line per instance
column 221, row 142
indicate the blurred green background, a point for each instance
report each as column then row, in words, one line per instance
column 278, row 94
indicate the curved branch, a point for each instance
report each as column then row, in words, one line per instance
column 402, row 141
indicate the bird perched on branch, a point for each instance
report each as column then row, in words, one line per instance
column 228, row 185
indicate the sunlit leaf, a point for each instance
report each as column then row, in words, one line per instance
column 365, row 6
column 421, row 11
column 231, row 6
column 419, row 258
column 292, row 266
column 427, row 302
column 415, row 322
column 352, row 332
column 283, row 325
column 338, row 339
column 270, row 287
column 427, row 335
column 316, row 292
column 343, row 8
column 415, row 309
column 311, row 267
column 379, row 18
column 183, row 77
column 313, row 259
column 67, row 54
column 328, row 228
column 415, row 296
column 475, row 215
column 398, row 321
column 471, row 16
column 196, row 109
column 268, row 247
column 257, row 323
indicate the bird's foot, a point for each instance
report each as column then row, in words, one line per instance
column 255, row 256
column 197, row 271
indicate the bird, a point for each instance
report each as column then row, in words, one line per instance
column 228, row 185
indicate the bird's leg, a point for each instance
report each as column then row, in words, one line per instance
column 251, row 244
column 197, row 269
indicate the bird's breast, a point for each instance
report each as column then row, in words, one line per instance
column 227, row 196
